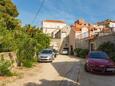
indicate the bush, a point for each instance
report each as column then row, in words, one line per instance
column 77, row 51
column 25, row 53
column 27, row 63
column 81, row 52
column 112, row 55
column 109, row 48
column 5, row 67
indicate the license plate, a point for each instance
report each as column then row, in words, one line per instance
column 110, row 69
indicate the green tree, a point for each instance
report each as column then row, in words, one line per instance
column 8, row 14
column 109, row 48
column 7, row 7
column 25, row 41
column 6, row 40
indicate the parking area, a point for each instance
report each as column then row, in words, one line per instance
column 63, row 71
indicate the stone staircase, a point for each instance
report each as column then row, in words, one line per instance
column 55, row 43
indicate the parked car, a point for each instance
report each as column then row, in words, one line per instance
column 46, row 55
column 65, row 51
column 98, row 61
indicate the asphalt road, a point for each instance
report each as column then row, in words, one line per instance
column 92, row 79
column 63, row 71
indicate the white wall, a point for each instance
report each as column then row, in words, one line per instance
column 53, row 25
column 78, row 35
column 112, row 25
column 49, row 27
column 84, row 32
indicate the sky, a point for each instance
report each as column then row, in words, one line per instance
column 91, row 11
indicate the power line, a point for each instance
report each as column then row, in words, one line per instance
column 42, row 3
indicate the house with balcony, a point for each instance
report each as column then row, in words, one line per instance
column 58, row 30
column 81, row 33
column 89, row 36
column 53, row 27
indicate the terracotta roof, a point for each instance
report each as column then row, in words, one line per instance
column 76, row 29
column 54, row 21
column 80, row 21
column 106, row 30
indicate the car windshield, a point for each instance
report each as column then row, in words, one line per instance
column 46, row 52
column 98, row 55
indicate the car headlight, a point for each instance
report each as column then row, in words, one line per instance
column 48, row 57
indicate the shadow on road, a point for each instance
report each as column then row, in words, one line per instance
column 67, row 70
column 51, row 83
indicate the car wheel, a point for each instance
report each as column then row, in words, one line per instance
column 55, row 55
column 53, row 58
column 51, row 61
column 86, row 69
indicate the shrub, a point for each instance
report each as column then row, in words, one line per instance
column 27, row 63
column 112, row 55
column 77, row 51
column 81, row 52
column 25, row 53
column 109, row 48
column 5, row 67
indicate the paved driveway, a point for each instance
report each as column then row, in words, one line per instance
column 64, row 71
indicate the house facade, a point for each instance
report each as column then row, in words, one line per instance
column 112, row 25
column 89, row 36
column 81, row 33
column 58, row 30
column 52, row 27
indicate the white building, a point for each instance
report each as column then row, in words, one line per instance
column 112, row 25
column 59, row 31
column 51, row 27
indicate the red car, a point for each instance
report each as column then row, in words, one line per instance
column 98, row 61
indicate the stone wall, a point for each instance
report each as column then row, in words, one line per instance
column 83, row 43
column 105, row 38
column 10, row 56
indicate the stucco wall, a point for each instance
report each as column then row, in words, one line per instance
column 103, row 39
column 83, row 43
column 71, row 40
column 49, row 27
column 53, row 25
